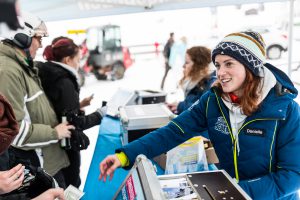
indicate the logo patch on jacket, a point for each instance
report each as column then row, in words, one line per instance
column 221, row 126
column 255, row 132
column 193, row 105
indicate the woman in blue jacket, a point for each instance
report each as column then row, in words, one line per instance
column 251, row 118
column 197, row 78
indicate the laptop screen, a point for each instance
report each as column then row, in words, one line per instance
column 131, row 188
column 141, row 182
column 120, row 98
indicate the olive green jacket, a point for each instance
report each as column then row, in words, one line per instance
column 20, row 84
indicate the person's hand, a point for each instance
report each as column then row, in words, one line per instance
column 63, row 130
column 11, row 179
column 86, row 101
column 102, row 111
column 173, row 107
column 108, row 166
column 51, row 194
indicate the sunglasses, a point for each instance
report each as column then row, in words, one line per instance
column 39, row 38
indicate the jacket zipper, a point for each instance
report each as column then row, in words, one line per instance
column 234, row 141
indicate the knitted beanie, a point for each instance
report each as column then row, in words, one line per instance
column 246, row 47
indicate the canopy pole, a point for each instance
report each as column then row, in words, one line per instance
column 290, row 47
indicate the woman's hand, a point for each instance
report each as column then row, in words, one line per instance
column 63, row 130
column 108, row 166
column 51, row 194
column 86, row 101
column 173, row 107
column 11, row 179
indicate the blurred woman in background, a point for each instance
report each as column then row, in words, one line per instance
column 197, row 78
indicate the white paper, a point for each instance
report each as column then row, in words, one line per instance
column 177, row 188
column 73, row 193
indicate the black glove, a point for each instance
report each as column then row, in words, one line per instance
column 74, row 118
column 84, row 122
column 79, row 141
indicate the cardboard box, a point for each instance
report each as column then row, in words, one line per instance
column 161, row 160
column 211, row 155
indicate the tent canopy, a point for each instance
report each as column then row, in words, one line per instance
column 73, row 9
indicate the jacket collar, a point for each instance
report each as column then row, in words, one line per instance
column 69, row 69
column 274, row 106
column 17, row 55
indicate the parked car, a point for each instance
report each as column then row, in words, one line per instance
column 276, row 41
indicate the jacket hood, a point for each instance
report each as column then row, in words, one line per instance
column 280, row 97
column 283, row 79
column 50, row 72
column 70, row 69
column 13, row 52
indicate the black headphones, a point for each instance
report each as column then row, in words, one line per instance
column 22, row 40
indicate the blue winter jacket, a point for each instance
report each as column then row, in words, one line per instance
column 268, row 164
column 196, row 93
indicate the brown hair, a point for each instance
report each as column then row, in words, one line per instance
column 249, row 100
column 201, row 57
column 61, row 47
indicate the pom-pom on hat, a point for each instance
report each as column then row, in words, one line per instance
column 247, row 47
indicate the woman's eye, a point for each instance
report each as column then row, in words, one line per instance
column 228, row 64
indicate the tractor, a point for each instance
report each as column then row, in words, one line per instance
column 106, row 55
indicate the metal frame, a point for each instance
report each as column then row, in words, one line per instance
column 148, row 178
column 56, row 9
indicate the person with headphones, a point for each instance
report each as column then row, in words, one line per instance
column 37, row 142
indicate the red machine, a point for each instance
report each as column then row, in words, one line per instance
column 107, row 58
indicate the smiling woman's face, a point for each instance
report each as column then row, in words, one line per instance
column 231, row 74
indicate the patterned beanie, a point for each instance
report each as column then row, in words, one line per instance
column 246, row 47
